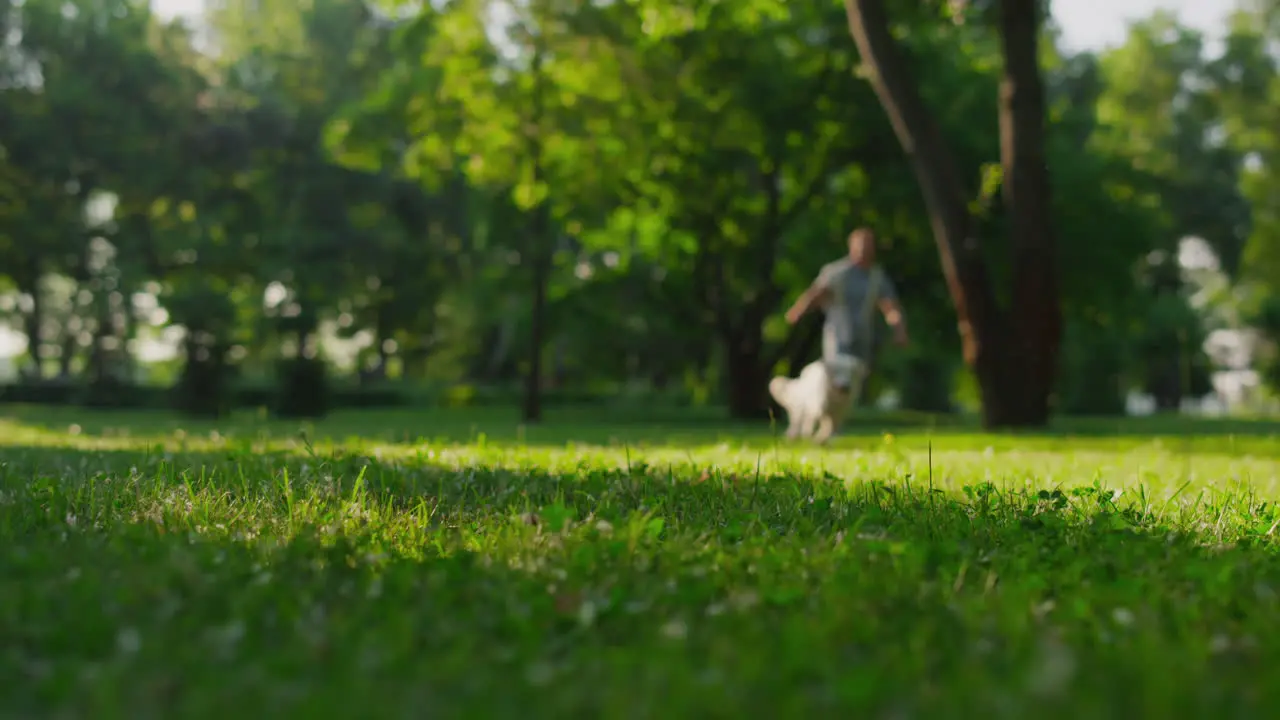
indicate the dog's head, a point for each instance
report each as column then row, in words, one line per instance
column 846, row 370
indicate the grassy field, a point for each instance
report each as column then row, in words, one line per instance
column 447, row 564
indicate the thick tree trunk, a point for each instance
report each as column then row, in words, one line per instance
column 1036, row 315
column 1013, row 393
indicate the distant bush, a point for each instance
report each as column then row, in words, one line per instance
column 511, row 394
column 309, row 391
column 926, row 382
column 254, row 395
column 302, row 388
column 196, row 393
column 40, row 392
column 1171, row 351
column 104, row 395
column 1092, row 377
column 377, row 396
column 1266, row 320
column 113, row 394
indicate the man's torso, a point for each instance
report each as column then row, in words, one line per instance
column 848, row 325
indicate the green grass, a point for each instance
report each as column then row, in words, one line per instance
column 628, row 568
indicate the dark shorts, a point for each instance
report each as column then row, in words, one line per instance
column 834, row 356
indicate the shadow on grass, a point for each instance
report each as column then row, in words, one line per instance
column 348, row 586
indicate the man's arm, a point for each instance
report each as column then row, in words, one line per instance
column 893, row 314
column 817, row 294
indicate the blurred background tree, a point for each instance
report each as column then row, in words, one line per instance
column 302, row 206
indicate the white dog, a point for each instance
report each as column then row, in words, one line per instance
column 815, row 406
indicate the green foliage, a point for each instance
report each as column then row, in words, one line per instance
column 109, row 393
column 1095, row 370
column 1159, row 101
column 927, row 379
column 1171, row 348
column 1267, row 322
column 379, row 174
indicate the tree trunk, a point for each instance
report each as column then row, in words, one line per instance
column 1164, row 383
column 97, row 367
column 68, row 356
column 542, row 252
column 129, row 334
column 747, row 388
column 807, row 344
column 748, row 398
column 560, row 363
column 500, row 340
column 78, row 273
column 1013, row 392
column 34, row 326
column 1036, row 313
column 746, row 373
column 532, row 412
column 382, row 332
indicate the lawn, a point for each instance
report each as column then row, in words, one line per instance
column 442, row 564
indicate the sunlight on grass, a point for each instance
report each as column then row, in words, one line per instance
column 228, row 566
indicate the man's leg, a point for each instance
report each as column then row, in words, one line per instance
column 836, row 362
column 845, row 371
column 871, row 357
column 842, row 403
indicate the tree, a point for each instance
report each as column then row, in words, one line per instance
column 93, row 90
column 1163, row 100
column 748, row 157
column 1013, row 348
column 1247, row 80
column 530, row 117
column 286, row 84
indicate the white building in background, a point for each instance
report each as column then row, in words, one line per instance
column 1236, row 384
column 12, row 344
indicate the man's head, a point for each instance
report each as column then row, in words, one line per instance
column 862, row 247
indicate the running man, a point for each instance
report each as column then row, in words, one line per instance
column 849, row 290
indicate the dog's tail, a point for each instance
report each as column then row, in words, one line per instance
column 778, row 388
